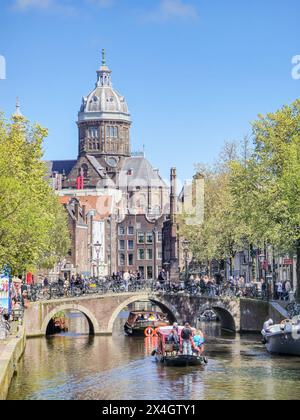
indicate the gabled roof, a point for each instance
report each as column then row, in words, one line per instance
column 101, row 204
column 139, row 173
column 95, row 163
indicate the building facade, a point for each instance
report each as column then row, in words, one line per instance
column 106, row 171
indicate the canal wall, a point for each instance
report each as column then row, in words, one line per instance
column 255, row 312
column 9, row 358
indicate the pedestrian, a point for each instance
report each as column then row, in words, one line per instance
column 279, row 290
column 264, row 288
column 126, row 278
column 288, row 289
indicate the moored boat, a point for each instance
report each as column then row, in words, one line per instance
column 283, row 338
column 141, row 323
column 169, row 355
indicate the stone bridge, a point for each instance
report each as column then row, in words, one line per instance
column 101, row 311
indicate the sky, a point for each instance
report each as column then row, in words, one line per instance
column 195, row 73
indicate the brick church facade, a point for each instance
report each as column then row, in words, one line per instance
column 116, row 201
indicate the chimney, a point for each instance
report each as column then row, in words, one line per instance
column 84, row 212
column 76, row 208
column 173, row 195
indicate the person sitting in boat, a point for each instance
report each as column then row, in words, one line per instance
column 186, row 337
column 198, row 342
column 174, row 339
column 140, row 317
column 152, row 318
column 176, row 327
column 267, row 325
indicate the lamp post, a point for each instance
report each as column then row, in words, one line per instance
column 155, row 273
column 186, row 245
column 262, row 258
column 110, row 256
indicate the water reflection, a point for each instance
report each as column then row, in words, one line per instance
column 72, row 366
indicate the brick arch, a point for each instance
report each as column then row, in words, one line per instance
column 93, row 323
column 227, row 320
column 170, row 309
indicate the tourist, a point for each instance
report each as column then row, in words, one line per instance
column 186, row 336
column 279, row 290
column 268, row 325
column 174, row 339
column 288, row 289
column 199, row 341
column 264, row 288
column 176, row 327
column 126, row 279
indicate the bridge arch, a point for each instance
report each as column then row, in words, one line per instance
column 92, row 321
column 163, row 305
column 226, row 318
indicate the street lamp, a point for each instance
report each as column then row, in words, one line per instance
column 186, row 245
column 97, row 247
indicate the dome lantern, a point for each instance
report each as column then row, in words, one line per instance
column 104, row 119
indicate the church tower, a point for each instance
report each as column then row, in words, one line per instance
column 104, row 122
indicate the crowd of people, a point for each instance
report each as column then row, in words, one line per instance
column 189, row 342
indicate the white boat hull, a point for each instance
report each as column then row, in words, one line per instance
column 283, row 342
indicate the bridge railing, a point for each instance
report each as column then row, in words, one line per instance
column 61, row 291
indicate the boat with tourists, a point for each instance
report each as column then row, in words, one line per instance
column 171, row 354
column 141, row 323
column 283, row 338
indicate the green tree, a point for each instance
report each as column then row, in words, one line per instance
column 266, row 187
column 33, row 226
column 219, row 236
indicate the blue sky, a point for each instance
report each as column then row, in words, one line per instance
column 195, row 72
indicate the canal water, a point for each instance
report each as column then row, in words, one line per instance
column 73, row 366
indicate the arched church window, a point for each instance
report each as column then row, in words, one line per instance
column 93, row 132
column 112, row 132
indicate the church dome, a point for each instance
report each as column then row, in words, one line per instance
column 104, row 102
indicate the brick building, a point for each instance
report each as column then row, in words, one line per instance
column 107, row 170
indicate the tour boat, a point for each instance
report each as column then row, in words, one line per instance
column 208, row 316
column 284, row 338
column 145, row 323
column 166, row 353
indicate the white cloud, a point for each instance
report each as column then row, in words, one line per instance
column 56, row 5
column 173, row 9
column 32, row 4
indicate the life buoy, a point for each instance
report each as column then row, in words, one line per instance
column 155, row 332
column 149, row 332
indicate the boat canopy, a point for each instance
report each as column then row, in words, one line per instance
column 166, row 331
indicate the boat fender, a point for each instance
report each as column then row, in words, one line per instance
column 284, row 323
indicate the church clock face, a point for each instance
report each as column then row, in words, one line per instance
column 112, row 162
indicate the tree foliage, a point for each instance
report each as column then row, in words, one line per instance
column 219, row 236
column 252, row 194
column 33, row 226
column 266, row 188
